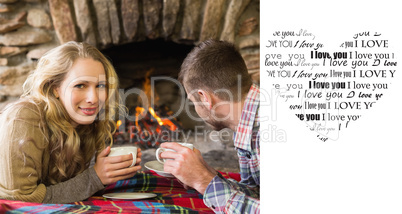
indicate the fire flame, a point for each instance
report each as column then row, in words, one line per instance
column 169, row 123
column 145, row 124
column 118, row 123
column 151, row 110
column 147, row 88
column 163, row 122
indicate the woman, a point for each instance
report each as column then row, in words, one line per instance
column 62, row 122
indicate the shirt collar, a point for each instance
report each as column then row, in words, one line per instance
column 249, row 119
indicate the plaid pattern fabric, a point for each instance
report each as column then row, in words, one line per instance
column 171, row 198
column 226, row 195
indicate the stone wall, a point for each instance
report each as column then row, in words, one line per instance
column 29, row 28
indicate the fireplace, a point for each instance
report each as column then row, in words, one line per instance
column 148, row 74
column 147, row 71
column 151, row 66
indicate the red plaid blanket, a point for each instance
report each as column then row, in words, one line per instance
column 171, row 198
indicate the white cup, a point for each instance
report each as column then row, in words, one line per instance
column 124, row 150
column 160, row 150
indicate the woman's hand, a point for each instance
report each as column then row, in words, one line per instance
column 113, row 169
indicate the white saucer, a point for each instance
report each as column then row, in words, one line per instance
column 129, row 195
column 158, row 168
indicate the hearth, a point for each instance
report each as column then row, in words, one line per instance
column 148, row 71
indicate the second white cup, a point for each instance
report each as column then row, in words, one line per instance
column 124, row 150
column 160, row 150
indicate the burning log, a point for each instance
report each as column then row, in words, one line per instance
column 150, row 128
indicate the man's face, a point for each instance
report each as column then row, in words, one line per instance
column 207, row 115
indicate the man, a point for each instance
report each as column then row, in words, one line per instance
column 216, row 80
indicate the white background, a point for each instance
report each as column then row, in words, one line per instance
column 361, row 172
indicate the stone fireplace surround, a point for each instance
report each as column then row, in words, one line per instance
column 29, row 28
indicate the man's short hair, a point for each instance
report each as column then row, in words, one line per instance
column 217, row 67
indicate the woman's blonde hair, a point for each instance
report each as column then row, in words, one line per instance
column 71, row 149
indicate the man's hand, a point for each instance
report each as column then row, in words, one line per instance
column 113, row 169
column 188, row 166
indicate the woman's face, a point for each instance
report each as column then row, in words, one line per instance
column 83, row 91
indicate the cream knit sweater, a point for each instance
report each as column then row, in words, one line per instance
column 24, row 161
